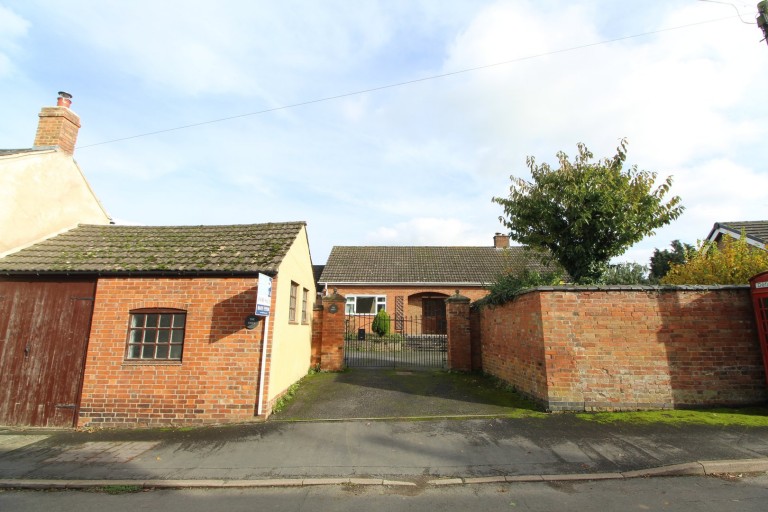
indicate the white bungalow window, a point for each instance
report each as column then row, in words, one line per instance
column 365, row 304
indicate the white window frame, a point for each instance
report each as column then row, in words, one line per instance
column 380, row 302
column 304, row 303
column 293, row 302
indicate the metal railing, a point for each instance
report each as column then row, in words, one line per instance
column 410, row 342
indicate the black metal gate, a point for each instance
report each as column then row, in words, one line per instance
column 405, row 345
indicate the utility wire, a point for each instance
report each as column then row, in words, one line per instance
column 407, row 82
column 732, row 5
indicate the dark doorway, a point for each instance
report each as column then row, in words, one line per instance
column 44, row 328
column 433, row 316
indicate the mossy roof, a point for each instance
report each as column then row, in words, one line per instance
column 110, row 249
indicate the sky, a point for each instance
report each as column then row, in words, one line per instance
column 239, row 112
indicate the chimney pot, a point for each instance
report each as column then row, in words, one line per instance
column 64, row 100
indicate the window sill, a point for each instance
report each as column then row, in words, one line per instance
column 150, row 362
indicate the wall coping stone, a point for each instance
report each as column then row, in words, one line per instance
column 634, row 288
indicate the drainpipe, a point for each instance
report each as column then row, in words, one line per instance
column 263, row 371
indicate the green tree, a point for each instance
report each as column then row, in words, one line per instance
column 662, row 260
column 507, row 286
column 380, row 323
column 734, row 262
column 585, row 213
column 625, row 273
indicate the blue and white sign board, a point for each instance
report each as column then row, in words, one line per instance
column 264, row 295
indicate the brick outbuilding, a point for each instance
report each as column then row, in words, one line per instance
column 172, row 340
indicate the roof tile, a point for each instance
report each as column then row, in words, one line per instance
column 425, row 264
column 755, row 229
column 177, row 249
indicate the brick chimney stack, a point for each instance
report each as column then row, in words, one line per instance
column 58, row 125
column 500, row 241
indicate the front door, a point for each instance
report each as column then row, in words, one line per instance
column 433, row 316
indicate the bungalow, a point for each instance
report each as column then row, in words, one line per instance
column 43, row 192
column 138, row 326
column 409, row 281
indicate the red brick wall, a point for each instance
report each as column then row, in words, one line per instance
column 511, row 344
column 627, row 349
column 217, row 378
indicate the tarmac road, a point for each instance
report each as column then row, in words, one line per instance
column 682, row 494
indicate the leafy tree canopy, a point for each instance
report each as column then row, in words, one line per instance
column 662, row 260
column 585, row 212
column 734, row 262
column 508, row 286
column 625, row 273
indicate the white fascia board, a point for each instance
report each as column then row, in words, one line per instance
column 733, row 234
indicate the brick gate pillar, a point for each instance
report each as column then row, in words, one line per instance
column 459, row 340
column 317, row 335
column 332, row 342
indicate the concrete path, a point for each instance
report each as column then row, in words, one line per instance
column 437, row 451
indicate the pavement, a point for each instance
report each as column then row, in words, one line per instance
column 395, row 428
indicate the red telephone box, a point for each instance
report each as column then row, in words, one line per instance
column 759, row 287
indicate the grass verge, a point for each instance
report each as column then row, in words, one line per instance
column 723, row 417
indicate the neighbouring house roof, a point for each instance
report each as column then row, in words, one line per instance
column 756, row 231
column 317, row 271
column 40, row 149
column 110, row 249
column 425, row 264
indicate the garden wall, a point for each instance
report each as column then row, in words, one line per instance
column 620, row 348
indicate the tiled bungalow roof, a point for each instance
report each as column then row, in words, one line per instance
column 110, row 249
column 756, row 230
column 424, row 264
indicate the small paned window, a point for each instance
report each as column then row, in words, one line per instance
column 304, row 295
column 292, row 304
column 156, row 335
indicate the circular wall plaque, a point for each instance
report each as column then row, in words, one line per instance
column 334, row 308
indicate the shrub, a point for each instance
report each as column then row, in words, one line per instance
column 380, row 323
column 732, row 263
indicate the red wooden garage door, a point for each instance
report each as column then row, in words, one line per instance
column 43, row 338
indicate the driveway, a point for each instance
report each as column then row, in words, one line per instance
column 376, row 394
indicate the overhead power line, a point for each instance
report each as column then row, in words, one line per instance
column 407, row 82
column 732, row 5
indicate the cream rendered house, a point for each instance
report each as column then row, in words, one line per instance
column 43, row 192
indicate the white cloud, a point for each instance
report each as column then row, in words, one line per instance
column 412, row 164
column 12, row 28
column 252, row 49
column 428, row 231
